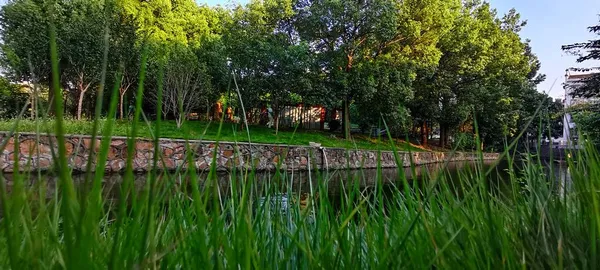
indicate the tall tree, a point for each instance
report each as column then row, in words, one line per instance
column 587, row 51
column 347, row 34
column 483, row 61
column 185, row 84
column 24, row 27
column 82, row 47
column 80, row 27
column 267, row 55
column 125, row 52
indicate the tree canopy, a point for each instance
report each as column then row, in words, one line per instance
column 587, row 51
column 420, row 65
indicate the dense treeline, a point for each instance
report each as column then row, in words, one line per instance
column 420, row 65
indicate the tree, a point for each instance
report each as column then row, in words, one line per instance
column 166, row 26
column 185, row 84
column 588, row 118
column 80, row 26
column 445, row 93
column 349, row 34
column 25, row 55
column 587, row 51
column 125, row 52
column 160, row 22
column 272, row 64
column 213, row 53
column 82, row 47
column 482, row 69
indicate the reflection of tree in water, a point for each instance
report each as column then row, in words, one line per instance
column 294, row 189
column 301, row 183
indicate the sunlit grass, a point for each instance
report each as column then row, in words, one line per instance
column 208, row 131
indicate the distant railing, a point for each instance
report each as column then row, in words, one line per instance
column 305, row 117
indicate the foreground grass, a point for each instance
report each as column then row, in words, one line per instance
column 191, row 221
column 209, row 131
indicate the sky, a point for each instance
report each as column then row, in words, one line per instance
column 550, row 24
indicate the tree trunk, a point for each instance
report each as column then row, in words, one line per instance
column 424, row 133
column 33, row 104
column 276, row 119
column 80, row 104
column 346, row 103
column 179, row 119
column 429, row 133
column 446, row 136
column 414, row 131
column 346, row 116
column 442, row 142
column 208, row 107
column 121, row 97
column 51, row 108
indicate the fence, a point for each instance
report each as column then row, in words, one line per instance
column 306, row 117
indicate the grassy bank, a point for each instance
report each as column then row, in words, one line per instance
column 209, row 131
column 188, row 221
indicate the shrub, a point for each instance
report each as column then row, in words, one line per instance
column 12, row 99
column 464, row 141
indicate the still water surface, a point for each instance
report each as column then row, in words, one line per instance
column 303, row 182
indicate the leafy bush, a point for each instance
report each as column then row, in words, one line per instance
column 397, row 120
column 588, row 123
column 12, row 99
column 464, row 141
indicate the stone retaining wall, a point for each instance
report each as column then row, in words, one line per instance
column 35, row 152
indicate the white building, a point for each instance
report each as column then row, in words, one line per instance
column 573, row 77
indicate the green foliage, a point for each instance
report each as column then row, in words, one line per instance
column 484, row 73
column 464, row 142
column 440, row 63
column 166, row 22
column 24, row 40
column 587, row 51
column 271, row 64
column 12, row 99
column 587, row 121
column 360, row 43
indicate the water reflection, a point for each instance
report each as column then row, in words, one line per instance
column 303, row 182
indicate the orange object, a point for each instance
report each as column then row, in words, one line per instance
column 229, row 114
column 218, row 110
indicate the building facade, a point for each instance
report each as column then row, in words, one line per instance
column 573, row 78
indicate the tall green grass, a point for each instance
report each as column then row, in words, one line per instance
column 256, row 222
column 187, row 220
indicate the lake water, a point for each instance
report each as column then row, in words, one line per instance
column 303, row 182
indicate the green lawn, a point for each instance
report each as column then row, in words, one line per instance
column 209, row 131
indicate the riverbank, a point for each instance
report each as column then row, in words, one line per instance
column 201, row 130
column 30, row 151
